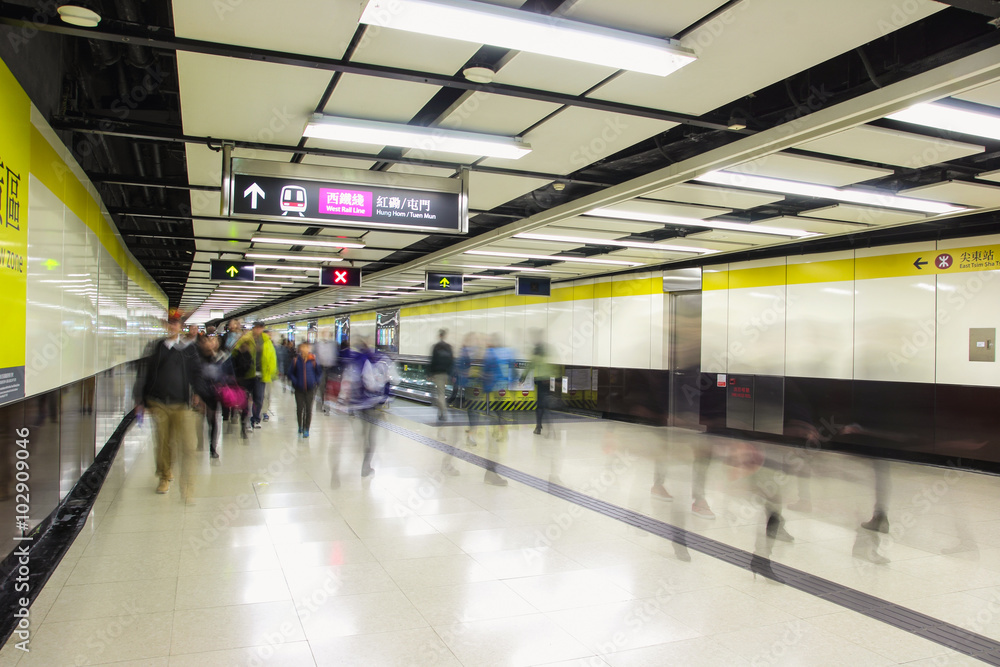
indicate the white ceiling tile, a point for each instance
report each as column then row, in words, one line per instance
column 413, row 51
column 691, row 211
column 531, row 70
column 903, row 149
column 589, row 233
column 988, row 95
column 356, row 254
column 990, row 176
column 247, row 100
column 346, row 146
column 862, row 214
column 497, row 114
column 576, row 137
column 346, row 163
column 421, row 170
column 224, row 229
column 754, row 44
column 958, row 192
column 377, row 98
column 814, row 225
column 390, row 240
column 809, row 170
column 658, row 18
column 585, row 224
column 314, row 27
column 707, row 195
column 487, row 191
column 727, row 240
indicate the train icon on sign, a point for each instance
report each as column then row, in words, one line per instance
column 293, row 200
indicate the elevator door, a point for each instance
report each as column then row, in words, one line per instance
column 685, row 359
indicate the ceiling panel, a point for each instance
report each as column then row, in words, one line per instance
column 224, row 229
column 713, row 196
column 420, row 170
column 390, row 240
column 658, row 18
column 584, row 224
column 326, row 31
column 878, row 144
column 990, row 176
column 497, row 114
column 678, row 210
column 413, row 51
column 377, row 98
column 590, row 233
column 810, row 224
column 862, row 214
column 730, row 238
column 217, row 101
column 809, row 170
column 356, row 254
column 204, row 165
column 487, row 191
column 576, row 137
column 988, row 94
column 958, row 192
column 735, row 59
column 532, row 70
column 324, row 161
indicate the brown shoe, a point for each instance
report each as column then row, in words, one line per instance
column 164, row 486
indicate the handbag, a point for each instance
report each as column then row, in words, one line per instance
column 231, row 396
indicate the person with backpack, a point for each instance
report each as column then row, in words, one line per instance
column 304, row 374
column 253, row 360
column 439, row 371
column 497, row 364
column 375, row 374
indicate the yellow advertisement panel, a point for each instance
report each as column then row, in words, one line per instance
column 15, row 156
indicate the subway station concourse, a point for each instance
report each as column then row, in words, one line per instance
column 499, row 332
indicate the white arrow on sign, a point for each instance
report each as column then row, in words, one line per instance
column 253, row 192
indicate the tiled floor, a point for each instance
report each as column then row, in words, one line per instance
column 288, row 557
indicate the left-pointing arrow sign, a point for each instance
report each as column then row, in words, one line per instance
column 920, row 263
column 253, row 192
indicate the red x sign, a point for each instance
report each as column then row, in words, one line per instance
column 339, row 277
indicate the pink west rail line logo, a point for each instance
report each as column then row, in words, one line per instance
column 345, row 202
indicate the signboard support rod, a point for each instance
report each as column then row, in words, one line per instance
column 227, row 177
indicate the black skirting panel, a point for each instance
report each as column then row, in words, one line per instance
column 946, row 424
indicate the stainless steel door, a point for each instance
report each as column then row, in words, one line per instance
column 685, row 359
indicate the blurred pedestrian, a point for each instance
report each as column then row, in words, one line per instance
column 439, row 371
column 304, row 373
column 326, row 357
column 543, row 372
column 217, row 372
column 169, row 374
column 253, row 359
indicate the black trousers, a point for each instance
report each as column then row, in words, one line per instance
column 255, row 390
column 542, row 400
column 304, row 407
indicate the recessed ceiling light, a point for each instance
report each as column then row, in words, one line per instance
column 332, row 243
column 294, row 258
column 752, row 228
column 951, row 119
column 623, row 244
column 554, row 258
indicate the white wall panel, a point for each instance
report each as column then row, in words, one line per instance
column 561, row 331
column 43, row 356
column 582, row 339
column 894, row 329
column 658, row 354
column 757, row 330
column 819, row 328
column 630, row 330
column 603, row 331
column 714, row 323
column 77, row 322
column 965, row 301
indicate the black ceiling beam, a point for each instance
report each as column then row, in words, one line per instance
column 163, row 38
column 118, row 179
column 145, row 132
column 989, row 8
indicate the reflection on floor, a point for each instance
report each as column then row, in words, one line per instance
column 288, row 557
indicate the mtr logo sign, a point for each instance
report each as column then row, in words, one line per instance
column 340, row 277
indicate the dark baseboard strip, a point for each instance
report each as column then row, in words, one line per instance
column 950, row 636
column 52, row 538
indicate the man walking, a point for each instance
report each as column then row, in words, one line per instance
column 255, row 363
column 439, row 370
column 164, row 387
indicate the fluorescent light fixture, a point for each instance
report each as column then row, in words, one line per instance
column 951, row 119
column 337, row 128
column 691, row 222
column 285, row 267
column 624, row 244
column 490, row 278
column 553, row 258
column 294, row 258
column 275, row 276
column 855, row 196
column 307, row 242
column 271, row 282
column 526, row 31
column 500, row 267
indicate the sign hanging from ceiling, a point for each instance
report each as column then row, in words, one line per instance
column 261, row 190
column 244, row 272
column 335, row 276
column 444, row 282
column 530, row 286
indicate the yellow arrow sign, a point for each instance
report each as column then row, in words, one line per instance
column 444, row 283
column 232, row 271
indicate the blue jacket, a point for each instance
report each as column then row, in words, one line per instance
column 304, row 373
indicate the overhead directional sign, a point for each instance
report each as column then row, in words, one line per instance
column 444, row 282
column 259, row 189
column 531, row 286
column 335, row 276
column 231, row 270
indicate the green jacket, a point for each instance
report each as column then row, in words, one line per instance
column 268, row 359
column 540, row 366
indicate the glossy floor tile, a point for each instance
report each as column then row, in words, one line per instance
column 288, row 557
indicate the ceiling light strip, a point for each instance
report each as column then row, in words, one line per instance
column 638, row 216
